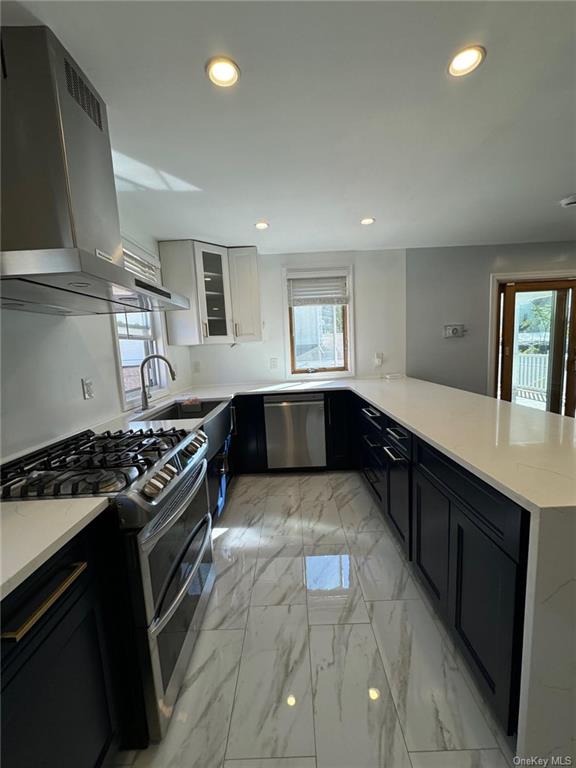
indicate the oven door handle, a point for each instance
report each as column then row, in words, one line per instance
column 149, row 540
column 158, row 624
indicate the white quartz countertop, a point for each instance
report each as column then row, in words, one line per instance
column 528, row 455
column 33, row 531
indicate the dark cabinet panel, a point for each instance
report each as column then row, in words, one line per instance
column 398, row 506
column 485, row 614
column 431, row 537
column 248, row 449
column 57, row 694
column 337, row 415
column 500, row 518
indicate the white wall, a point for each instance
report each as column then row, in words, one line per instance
column 44, row 357
column 452, row 285
column 43, row 360
column 379, row 282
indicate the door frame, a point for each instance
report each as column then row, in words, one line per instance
column 496, row 279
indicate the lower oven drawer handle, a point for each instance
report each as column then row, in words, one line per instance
column 158, row 624
column 35, row 616
column 148, row 541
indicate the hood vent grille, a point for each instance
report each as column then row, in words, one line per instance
column 82, row 94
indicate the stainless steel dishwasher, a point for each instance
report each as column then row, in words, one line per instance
column 295, row 432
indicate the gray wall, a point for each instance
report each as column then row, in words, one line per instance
column 452, row 285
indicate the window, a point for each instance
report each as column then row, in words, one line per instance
column 319, row 321
column 139, row 334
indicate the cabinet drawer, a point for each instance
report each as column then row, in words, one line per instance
column 370, row 417
column 399, row 436
column 500, row 518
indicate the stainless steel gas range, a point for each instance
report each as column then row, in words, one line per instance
column 157, row 481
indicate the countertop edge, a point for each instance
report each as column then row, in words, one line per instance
column 13, row 581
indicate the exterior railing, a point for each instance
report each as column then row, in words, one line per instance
column 531, row 372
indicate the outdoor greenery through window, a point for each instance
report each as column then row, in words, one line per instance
column 318, row 307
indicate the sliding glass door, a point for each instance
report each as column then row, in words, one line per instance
column 537, row 345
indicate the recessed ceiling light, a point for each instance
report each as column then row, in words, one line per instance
column 467, row 60
column 367, row 221
column 374, row 693
column 291, row 700
column 223, row 71
column 261, row 225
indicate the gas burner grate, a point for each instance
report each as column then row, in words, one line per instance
column 87, row 464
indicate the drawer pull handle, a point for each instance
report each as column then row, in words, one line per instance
column 369, row 443
column 396, row 434
column 371, row 412
column 390, row 455
column 34, row 618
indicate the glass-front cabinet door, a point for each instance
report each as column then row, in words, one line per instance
column 214, row 293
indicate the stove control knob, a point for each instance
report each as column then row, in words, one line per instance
column 163, row 477
column 153, row 487
column 170, row 470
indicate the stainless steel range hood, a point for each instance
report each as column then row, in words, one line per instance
column 60, row 234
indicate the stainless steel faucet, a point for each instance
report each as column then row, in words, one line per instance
column 143, row 383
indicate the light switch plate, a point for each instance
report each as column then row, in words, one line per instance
column 273, row 363
column 87, row 389
column 454, row 331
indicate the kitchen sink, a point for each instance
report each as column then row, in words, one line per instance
column 182, row 410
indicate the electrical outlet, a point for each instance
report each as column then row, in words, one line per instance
column 273, row 363
column 378, row 359
column 87, row 389
column 196, row 366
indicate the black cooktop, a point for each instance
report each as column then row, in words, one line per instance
column 87, row 464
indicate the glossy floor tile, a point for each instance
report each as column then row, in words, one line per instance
column 282, row 762
column 230, row 598
column 272, row 714
column 332, row 586
column 279, row 581
column 195, row 737
column 382, row 572
column 434, row 703
column 485, row 758
column 354, row 713
column 321, row 523
column 319, row 649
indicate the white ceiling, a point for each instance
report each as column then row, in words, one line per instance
column 343, row 110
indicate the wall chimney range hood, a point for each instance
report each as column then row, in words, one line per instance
column 60, row 233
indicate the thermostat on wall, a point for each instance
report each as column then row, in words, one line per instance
column 454, row 331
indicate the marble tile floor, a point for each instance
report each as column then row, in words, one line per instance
column 318, row 648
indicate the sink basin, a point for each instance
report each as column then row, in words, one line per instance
column 184, row 410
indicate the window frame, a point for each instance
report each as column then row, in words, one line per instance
column 133, row 401
column 341, row 372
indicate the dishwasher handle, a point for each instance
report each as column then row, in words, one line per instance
column 291, row 403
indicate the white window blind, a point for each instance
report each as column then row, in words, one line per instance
column 142, row 267
column 308, row 291
column 135, row 325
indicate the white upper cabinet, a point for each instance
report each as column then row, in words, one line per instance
column 179, row 273
column 214, row 293
column 245, row 289
column 223, row 287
